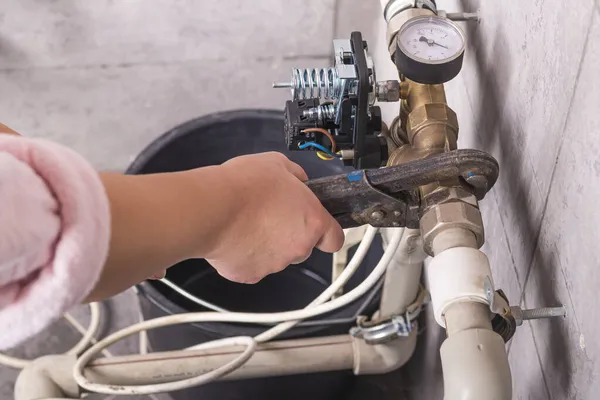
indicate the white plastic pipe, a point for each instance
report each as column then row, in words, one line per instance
column 52, row 377
column 48, row 377
column 333, row 353
column 403, row 275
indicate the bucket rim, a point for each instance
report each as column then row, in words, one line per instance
column 158, row 144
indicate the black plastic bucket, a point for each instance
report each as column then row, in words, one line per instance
column 212, row 140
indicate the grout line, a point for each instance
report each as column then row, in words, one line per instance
column 558, row 154
column 537, row 354
column 506, row 239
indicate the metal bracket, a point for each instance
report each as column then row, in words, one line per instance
column 384, row 331
column 397, row 326
column 504, row 322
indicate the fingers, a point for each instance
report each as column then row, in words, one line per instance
column 300, row 260
column 296, row 170
column 7, row 130
column 290, row 166
column 333, row 238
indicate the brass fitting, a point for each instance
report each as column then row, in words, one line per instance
column 453, row 214
column 448, row 195
column 433, row 126
column 406, row 153
column 419, row 94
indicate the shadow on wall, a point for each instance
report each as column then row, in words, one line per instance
column 502, row 138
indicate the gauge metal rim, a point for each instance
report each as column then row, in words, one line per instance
column 439, row 19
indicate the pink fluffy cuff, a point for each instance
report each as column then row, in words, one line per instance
column 54, row 234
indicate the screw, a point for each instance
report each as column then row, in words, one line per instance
column 280, row 85
column 537, row 313
column 463, row 16
column 377, row 215
column 397, row 214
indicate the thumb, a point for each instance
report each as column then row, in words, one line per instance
column 333, row 238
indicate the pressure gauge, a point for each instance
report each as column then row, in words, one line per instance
column 430, row 49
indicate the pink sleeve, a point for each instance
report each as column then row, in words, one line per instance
column 54, row 234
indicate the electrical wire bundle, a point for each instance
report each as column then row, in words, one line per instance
column 323, row 153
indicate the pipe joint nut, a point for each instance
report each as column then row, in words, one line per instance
column 445, row 194
column 388, row 91
column 456, row 214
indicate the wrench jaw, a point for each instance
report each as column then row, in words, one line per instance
column 389, row 197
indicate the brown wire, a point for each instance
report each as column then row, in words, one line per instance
column 324, row 132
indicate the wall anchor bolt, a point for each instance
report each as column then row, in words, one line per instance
column 537, row 313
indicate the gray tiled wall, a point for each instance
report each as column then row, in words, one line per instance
column 529, row 95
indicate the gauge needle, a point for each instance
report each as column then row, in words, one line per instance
column 430, row 42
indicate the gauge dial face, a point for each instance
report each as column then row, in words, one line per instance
column 431, row 40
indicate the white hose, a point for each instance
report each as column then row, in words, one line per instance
column 265, row 318
column 191, row 297
column 87, row 338
column 346, row 274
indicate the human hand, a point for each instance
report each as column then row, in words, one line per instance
column 6, row 130
column 274, row 219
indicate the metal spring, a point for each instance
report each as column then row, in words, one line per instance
column 321, row 113
column 323, row 83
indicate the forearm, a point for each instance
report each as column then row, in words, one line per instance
column 157, row 221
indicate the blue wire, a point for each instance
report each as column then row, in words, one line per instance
column 317, row 146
